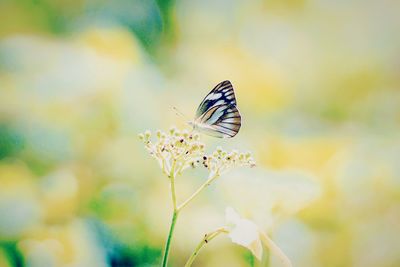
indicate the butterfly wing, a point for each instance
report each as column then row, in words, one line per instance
column 217, row 114
column 221, row 94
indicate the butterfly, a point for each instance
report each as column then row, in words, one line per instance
column 217, row 115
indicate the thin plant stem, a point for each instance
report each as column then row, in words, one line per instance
column 207, row 238
column 206, row 183
column 275, row 249
column 168, row 244
column 174, row 215
column 172, row 181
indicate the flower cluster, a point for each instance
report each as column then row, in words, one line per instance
column 177, row 150
column 220, row 161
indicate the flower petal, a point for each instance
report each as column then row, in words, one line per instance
column 243, row 232
column 231, row 216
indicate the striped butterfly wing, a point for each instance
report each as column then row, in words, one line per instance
column 217, row 114
column 221, row 94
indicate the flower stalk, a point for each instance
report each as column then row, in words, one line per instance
column 174, row 215
column 176, row 151
column 207, row 238
column 169, row 239
column 198, row 191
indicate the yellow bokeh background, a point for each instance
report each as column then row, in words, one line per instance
column 317, row 83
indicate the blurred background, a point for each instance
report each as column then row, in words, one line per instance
column 317, row 83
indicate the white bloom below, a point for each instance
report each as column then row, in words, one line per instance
column 243, row 232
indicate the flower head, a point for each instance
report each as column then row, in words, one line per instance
column 175, row 150
column 221, row 161
column 178, row 150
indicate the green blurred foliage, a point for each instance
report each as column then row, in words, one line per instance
column 148, row 20
column 11, row 142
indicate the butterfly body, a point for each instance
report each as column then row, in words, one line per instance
column 217, row 115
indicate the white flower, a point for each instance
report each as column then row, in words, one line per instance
column 246, row 233
column 243, row 232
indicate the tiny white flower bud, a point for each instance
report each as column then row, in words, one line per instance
column 147, row 134
column 172, row 130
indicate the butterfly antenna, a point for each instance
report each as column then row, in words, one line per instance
column 177, row 112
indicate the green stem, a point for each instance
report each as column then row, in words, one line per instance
column 173, row 194
column 177, row 209
column 168, row 244
column 207, row 183
column 174, row 215
column 207, row 238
